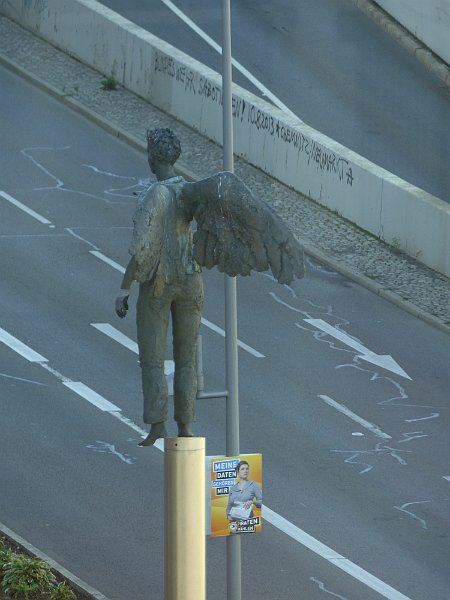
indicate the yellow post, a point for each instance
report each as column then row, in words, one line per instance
column 184, row 519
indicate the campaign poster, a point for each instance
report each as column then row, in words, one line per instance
column 236, row 494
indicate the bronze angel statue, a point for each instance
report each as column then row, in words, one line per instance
column 236, row 232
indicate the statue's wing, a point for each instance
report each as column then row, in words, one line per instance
column 238, row 232
column 147, row 240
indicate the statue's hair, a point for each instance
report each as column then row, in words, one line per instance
column 163, row 144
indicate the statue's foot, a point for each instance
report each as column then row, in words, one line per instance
column 157, row 431
column 184, row 430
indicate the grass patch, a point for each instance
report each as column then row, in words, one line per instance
column 23, row 577
column 109, row 84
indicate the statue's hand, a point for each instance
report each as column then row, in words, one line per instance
column 122, row 304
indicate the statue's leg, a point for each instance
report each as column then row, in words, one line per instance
column 186, row 316
column 152, row 318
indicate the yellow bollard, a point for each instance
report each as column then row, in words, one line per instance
column 184, row 519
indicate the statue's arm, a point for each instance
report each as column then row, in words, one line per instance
column 121, row 304
column 129, row 275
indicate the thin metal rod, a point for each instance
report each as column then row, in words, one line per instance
column 230, row 282
column 212, row 395
column 227, row 116
column 201, row 394
column 200, row 377
column 234, row 585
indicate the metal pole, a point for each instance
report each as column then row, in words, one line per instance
column 226, row 88
column 184, row 516
column 232, row 419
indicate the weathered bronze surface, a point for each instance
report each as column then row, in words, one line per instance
column 236, row 232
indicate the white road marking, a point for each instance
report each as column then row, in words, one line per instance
column 432, row 416
column 107, row 260
column 265, row 92
column 380, row 448
column 117, row 335
column 324, row 589
column 85, row 392
column 346, row 411
column 22, row 379
column 105, row 447
column 20, row 347
column 159, row 444
column 384, row 361
column 270, row 516
column 205, row 322
column 25, row 208
column 402, row 508
column 242, row 345
column 447, row 477
column 331, row 556
column 124, row 340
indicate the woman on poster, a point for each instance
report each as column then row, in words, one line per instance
column 243, row 495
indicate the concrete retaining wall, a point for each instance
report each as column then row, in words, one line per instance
column 428, row 20
column 286, row 148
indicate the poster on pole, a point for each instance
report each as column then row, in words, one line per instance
column 236, row 495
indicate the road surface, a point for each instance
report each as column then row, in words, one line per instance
column 355, row 453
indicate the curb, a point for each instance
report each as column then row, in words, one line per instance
column 183, row 170
column 78, row 584
column 404, row 37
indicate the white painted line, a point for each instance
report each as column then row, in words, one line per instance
column 124, row 340
column 331, row 556
column 20, row 347
column 117, row 335
column 100, row 403
column 159, row 444
column 107, row 260
column 211, row 326
column 73, row 579
column 265, row 92
column 346, row 411
column 85, row 392
column 385, row 361
column 221, row 332
column 25, row 208
column 447, row 477
column 272, row 517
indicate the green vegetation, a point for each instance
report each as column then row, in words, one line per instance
column 109, row 84
column 27, row 578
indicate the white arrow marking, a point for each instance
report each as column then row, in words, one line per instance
column 385, row 361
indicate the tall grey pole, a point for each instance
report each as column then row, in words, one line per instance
column 232, row 419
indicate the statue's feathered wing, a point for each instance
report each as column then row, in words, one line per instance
column 238, row 232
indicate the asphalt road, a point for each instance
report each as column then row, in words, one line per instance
column 333, row 68
column 354, row 455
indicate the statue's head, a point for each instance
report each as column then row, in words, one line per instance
column 163, row 146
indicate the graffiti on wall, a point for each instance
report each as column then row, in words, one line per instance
column 39, row 5
column 315, row 154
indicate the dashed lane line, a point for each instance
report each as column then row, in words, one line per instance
column 270, row 516
column 206, row 38
column 205, row 322
column 25, row 208
column 347, row 412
